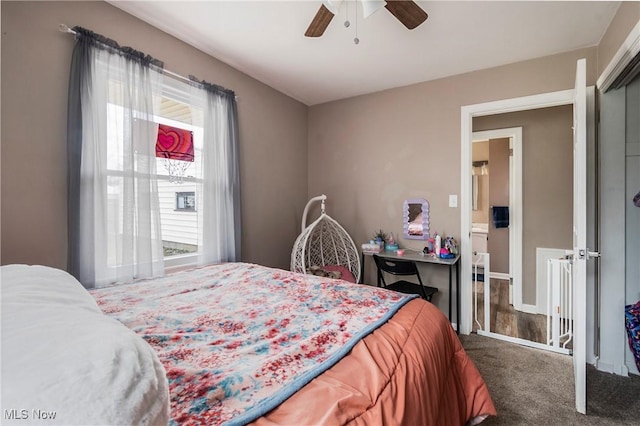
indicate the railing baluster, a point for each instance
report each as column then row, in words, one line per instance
column 560, row 303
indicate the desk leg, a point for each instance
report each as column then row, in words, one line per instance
column 458, row 296
column 450, row 294
column 361, row 280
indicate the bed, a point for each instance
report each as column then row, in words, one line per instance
column 235, row 344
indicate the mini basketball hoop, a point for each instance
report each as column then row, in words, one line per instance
column 175, row 147
column 176, row 169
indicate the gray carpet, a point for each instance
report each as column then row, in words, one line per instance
column 535, row 387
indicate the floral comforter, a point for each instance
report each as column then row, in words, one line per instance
column 238, row 339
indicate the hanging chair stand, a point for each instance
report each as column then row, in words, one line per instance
column 324, row 243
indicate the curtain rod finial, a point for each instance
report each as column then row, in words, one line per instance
column 65, row 29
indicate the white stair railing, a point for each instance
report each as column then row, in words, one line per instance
column 559, row 303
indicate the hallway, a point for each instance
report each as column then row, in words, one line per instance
column 504, row 319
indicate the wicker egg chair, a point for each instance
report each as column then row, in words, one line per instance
column 324, row 243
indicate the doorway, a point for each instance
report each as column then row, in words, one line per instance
column 582, row 101
column 530, row 165
column 497, row 247
column 500, row 188
column 521, row 277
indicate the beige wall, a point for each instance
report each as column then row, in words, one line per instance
column 369, row 153
column 498, row 239
column 35, row 71
column 625, row 19
column 547, row 183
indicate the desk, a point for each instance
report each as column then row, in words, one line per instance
column 417, row 256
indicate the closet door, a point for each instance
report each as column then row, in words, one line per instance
column 580, row 250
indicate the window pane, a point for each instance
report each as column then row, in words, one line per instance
column 178, row 215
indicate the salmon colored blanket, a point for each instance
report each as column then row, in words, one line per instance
column 411, row 371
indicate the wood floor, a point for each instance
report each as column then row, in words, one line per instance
column 504, row 319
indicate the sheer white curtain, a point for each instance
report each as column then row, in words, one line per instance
column 218, row 204
column 119, row 219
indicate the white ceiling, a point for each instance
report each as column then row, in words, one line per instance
column 265, row 39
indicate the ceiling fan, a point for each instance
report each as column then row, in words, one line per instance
column 405, row 11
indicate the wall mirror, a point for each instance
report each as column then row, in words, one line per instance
column 415, row 218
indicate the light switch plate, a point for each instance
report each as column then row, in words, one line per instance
column 453, row 200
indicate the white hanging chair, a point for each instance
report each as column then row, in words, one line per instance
column 324, row 243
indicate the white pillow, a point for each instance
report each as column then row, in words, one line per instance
column 65, row 362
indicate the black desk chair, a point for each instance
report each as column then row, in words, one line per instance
column 403, row 268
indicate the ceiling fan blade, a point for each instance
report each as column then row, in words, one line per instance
column 320, row 22
column 407, row 12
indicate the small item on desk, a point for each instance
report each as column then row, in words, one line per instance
column 438, row 245
column 430, row 247
column 426, row 252
column 445, row 254
column 391, row 245
column 451, row 245
column 400, row 252
column 380, row 238
column 371, row 247
column 449, row 248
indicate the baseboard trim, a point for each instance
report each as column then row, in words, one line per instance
column 523, row 342
column 499, row 276
column 619, row 369
column 529, row 309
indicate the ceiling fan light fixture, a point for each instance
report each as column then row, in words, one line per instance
column 369, row 7
column 406, row 11
column 332, row 5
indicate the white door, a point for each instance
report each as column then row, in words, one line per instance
column 580, row 251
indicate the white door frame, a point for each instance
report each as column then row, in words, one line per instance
column 515, row 206
column 544, row 100
column 629, row 48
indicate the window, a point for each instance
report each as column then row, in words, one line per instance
column 117, row 183
column 186, row 201
column 179, row 222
